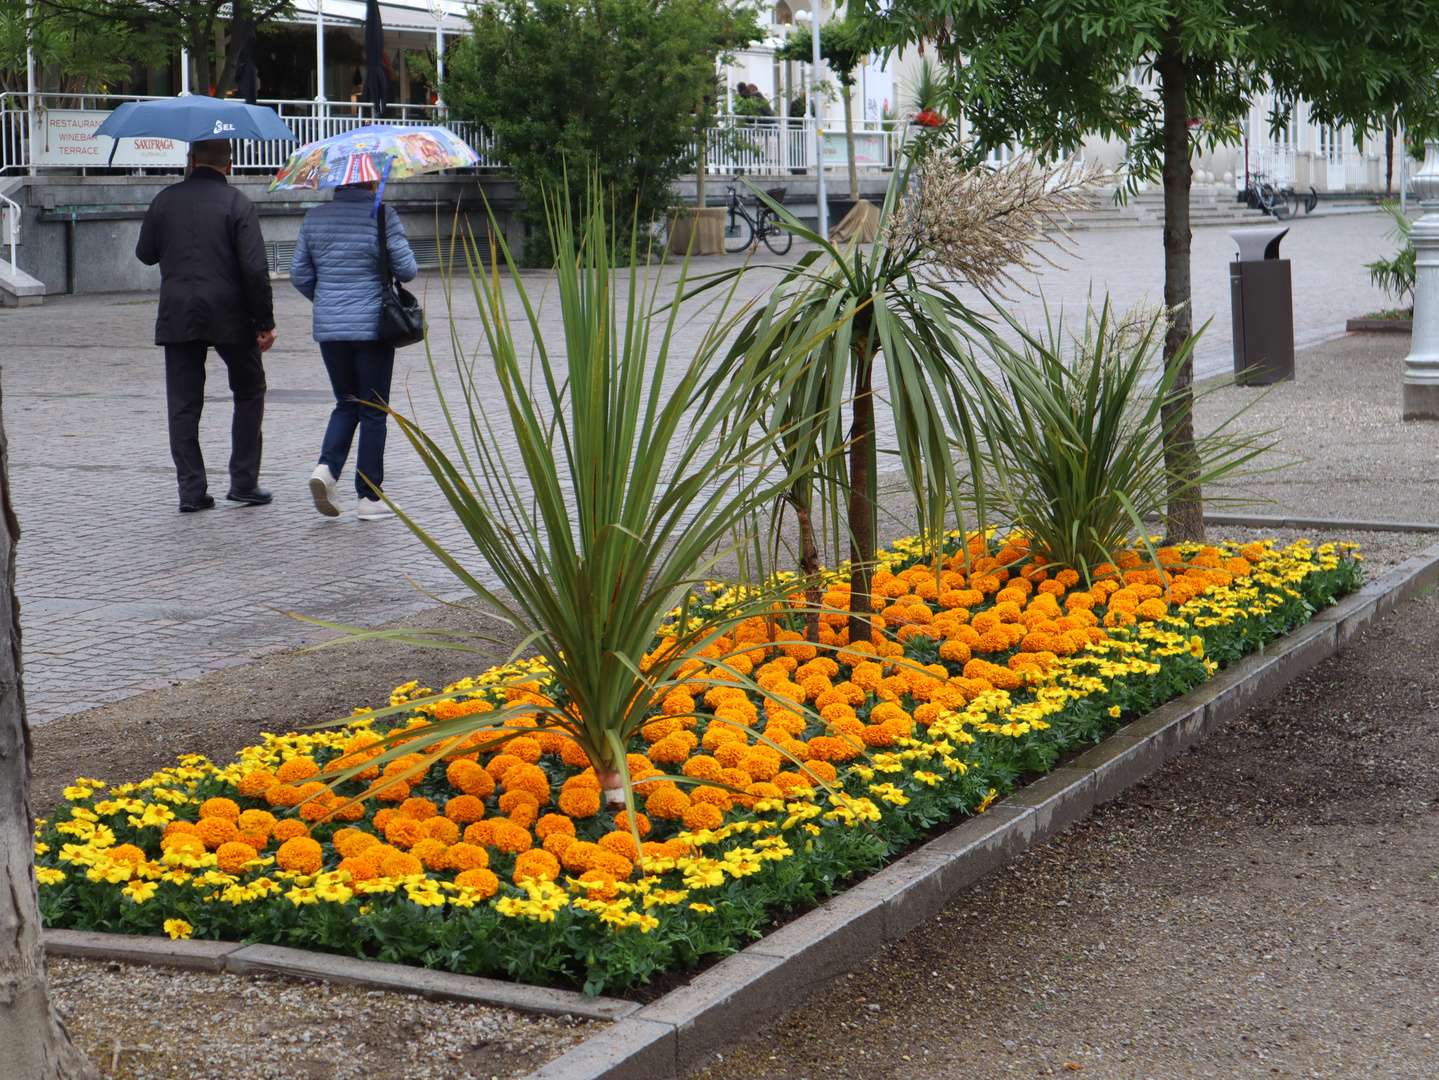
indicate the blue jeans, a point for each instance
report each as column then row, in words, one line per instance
column 360, row 372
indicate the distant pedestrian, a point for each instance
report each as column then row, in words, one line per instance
column 214, row 291
column 337, row 267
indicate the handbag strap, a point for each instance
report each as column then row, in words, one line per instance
column 384, row 249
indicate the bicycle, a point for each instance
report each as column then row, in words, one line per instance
column 743, row 231
column 1278, row 202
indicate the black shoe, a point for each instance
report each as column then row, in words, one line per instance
column 255, row 496
column 198, row 503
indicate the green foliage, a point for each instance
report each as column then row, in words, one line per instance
column 929, row 90
column 842, row 46
column 1395, row 275
column 1073, row 431
column 1045, row 73
column 90, row 48
column 619, row 84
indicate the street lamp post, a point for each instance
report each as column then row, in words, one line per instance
column 320, row 57
column 821, row 199
column 184, row 73
column 438, row 10
column 1421, row 366
column 30, row 82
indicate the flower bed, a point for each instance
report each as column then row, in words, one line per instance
column 504, row 863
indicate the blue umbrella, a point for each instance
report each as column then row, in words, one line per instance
column 193, row 118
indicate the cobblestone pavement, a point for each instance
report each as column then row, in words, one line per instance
column 120, row 594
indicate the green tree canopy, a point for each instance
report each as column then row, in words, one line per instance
column 621, row 84
column 843, row 46
column 1163, row 76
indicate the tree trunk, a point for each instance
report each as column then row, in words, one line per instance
column 32, row 1039
column 239, row 33
column 1186, row 500
column 201, row 39
column 1389, row 160
column 861, row 513
column 809, row 570
column 704, row 156
column 849, row 141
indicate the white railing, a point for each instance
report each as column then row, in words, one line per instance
column 309, row 121
column 736, row 145
column 774, row 145
column 1274, row 162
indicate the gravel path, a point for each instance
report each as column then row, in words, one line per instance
column 1262, row 907
column 140, row 1023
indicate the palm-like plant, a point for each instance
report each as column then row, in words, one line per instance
column 1072, row 432
column 895, row 304
column 631, row 476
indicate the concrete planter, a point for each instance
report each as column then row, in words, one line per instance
column 1380, row 326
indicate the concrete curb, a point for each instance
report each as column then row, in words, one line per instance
column 1260, row 521
column 726, row 1004
column 242, row 959
column 1380, row 326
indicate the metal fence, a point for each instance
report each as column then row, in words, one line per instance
column 735, row 145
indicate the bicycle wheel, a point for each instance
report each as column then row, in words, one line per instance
column 1286, row 205
column 776, row 238
column 738, row 232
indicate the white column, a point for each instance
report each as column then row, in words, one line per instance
column 821, row 198
column 184, row 72
column 320, row 54
column 439, row 63
column 30, row 84
column 1421, row 366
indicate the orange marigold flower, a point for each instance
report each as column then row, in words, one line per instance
column 301, row 855
column 288, row 830
column 579, row 802
column 260, row 821
column 257, row 782
column 656, row 730
column 481, row 833
column 665, row 804
column 557, row 843
column 296, row 770
column 703, row 816
column 532, row 779
column 432, row 853
column 401, row 864
column 536, row 866
column 405, row 833
column 524, row 748
column 579, row 855
column 1153, row 609
column 419, row 809
column 480, row 881
column 442, row 829
column 464, row 809
column 501, row 764
column 822, row 771
column 642, row 823
column 464, row 857
column 702, row 767
column 554, row 823
column 355, row 843
column 467, row 777
column 718, row 797
column 358, row 869
column 221, row 808
column 509, row 837
column 760, row 762
column 621, row 843
column 387, row 790
column 617, row 866
column 599, row 885
column 214, row 831
column 450, row 710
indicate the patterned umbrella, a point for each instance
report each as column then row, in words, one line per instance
column 375, row 152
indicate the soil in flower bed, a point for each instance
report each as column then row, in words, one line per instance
column 1261, row 907
column 141, row 1023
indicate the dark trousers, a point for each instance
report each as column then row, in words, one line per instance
column 360, row 372
column 185, row 391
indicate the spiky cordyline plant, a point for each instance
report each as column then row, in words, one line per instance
column 896, row 305
column 1073, row 429
column 619, row 498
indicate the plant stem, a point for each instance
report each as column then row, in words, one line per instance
column 1186, row 501
column 849, row 141
column 809, row 570
column 612, row 788
column 861, row 513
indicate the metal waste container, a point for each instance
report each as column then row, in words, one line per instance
column 1262, row 294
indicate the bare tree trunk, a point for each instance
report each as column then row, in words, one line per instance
column 1186, row 500
column 1389, row 159
column 33, row 1042
column 809, row 570
column 861, row 524
column 849, row 140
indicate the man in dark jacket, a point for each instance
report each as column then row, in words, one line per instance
column 214, row 290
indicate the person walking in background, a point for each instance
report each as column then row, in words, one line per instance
column 214, row 291
column 337, row 267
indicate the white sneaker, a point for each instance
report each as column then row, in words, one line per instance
column 322, row 489
column 374, row 510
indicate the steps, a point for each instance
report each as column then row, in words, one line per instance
column 1207, row 206
column 19, row 289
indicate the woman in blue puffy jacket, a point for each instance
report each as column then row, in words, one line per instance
column 337, row 267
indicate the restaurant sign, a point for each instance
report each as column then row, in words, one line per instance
column 67, row 137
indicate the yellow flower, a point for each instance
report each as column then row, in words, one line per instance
column 983, row 806
column 302, row 896
column 703, row 909
column 48, row 875
column 1114, row 711
column 140, row 891
column 178, row 928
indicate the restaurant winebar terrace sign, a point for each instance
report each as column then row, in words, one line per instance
column 66, row 137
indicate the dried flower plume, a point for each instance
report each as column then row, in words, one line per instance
column 982, row 225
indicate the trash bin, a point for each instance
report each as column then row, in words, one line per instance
column 1262, row 294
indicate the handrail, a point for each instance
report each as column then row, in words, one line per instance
column 14, row 229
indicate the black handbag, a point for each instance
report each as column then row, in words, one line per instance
column 402, row 319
